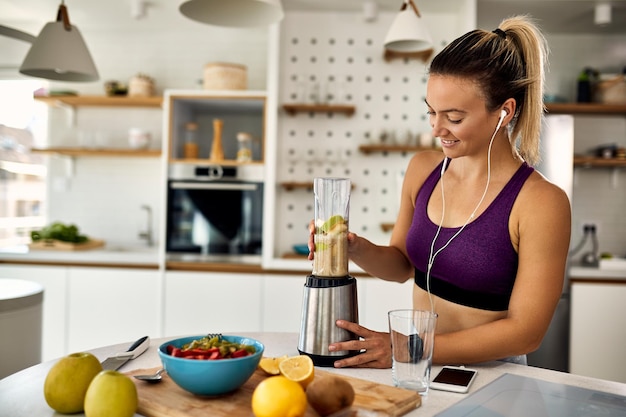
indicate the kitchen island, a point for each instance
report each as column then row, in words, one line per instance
column 21, row 394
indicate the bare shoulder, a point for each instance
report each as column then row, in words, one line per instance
column 420, row 166
column 541, row 198
column 423, row 163
column 539, row 188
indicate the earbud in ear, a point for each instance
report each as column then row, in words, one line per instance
column 503, row 114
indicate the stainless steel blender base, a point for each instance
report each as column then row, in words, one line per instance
column 325, row 301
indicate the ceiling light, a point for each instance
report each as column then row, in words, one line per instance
column 59, row 53
column 233, row 13
column 602, row 15
column 407, row 32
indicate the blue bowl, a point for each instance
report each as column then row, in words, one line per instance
column 302, row 249
column 211, row 377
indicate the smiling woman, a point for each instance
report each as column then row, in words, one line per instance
column 23, row 176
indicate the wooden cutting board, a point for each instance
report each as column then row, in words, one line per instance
column 60, row 245
column 166, row 399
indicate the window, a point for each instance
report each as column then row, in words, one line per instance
column 22, row 174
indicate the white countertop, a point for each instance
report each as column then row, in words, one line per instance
column 109, row 254
column 21, row 394
column 135, row 254
column 597, row 273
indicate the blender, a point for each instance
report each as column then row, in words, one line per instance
column 330, row 293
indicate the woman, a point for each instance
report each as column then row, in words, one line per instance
column 494, row 231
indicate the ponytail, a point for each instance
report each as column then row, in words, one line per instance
column 506, row 63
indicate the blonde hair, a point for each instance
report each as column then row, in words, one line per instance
column 508, row 62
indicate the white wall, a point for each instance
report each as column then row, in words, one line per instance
column 343, row 52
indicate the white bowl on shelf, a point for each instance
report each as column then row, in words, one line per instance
column 139, row 138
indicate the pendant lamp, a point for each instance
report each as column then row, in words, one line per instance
column 407, row 32
column 60, row 53
column 233, row 13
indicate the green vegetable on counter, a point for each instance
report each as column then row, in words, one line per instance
column 59, row 231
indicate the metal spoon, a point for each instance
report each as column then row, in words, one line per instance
column 152, row 378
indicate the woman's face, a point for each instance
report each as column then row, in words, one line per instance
column 458, row 116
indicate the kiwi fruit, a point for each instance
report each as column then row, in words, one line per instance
column 329, row 394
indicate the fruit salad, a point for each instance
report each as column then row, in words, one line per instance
column 331, row 248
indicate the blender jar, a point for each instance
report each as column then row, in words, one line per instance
column 332, row 206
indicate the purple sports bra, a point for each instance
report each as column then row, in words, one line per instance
column 478, row 268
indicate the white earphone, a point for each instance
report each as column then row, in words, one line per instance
column 503, row 114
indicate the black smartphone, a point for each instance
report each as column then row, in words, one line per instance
column 454, row 378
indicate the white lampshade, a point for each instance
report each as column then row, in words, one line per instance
column 233, row 13
column 60, row 54
column 407, row 32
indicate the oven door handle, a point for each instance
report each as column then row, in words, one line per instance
column 213, row 186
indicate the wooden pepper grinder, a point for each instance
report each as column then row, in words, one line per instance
column 217, row 150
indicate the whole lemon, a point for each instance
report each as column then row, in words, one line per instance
column 67, row 382
column 278, row 396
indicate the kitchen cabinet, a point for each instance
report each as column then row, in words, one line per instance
column 205, row 302
column 240, row 111
column 111, row 305
column 378, row 297
column 282, row 302
column 54, row 281
column 597, row 333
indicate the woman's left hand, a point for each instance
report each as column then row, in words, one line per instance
column 375, row 347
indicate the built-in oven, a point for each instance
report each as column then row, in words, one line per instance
column 214, row 213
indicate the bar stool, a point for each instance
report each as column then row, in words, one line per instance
column 21, row 306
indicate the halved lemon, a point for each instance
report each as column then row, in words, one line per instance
column 270, row 365
column 299, row 369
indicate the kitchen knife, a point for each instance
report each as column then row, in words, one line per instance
column 136, row 349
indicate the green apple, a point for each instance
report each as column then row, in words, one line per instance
column 67, row 382
column 111, row 394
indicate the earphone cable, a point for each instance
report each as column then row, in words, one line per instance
column 431, row 256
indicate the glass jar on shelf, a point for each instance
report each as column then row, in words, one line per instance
column 191, row 140
column 244, row 151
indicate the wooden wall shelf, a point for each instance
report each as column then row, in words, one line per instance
column 103, row 101
column 135, row 153
column 423, row 56
column 319, row 108
column 290, row 186
column 367, row 149
column 595, row 162
column 585, row 108
column 207, row 161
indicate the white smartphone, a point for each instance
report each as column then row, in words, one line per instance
column 454, row 378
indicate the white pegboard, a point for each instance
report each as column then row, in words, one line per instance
column 340, row 55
